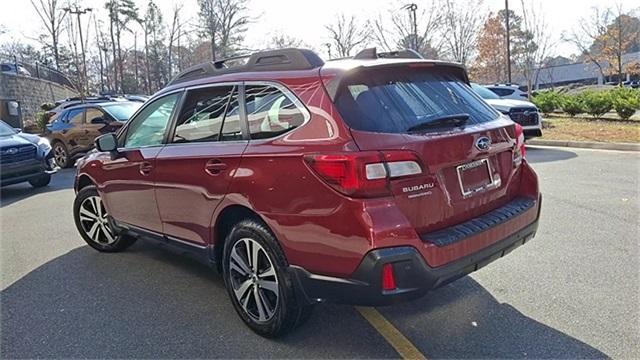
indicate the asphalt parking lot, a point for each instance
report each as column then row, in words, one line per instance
column 573, row 292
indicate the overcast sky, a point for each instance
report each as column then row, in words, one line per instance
column 305, row 19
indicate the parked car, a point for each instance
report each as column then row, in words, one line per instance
column 522, row 112
column 73, row 131
column 24, row 158
column 75, row 101
column 508, row 91
column 138, row 98
column 367, row 181
column 11, row 68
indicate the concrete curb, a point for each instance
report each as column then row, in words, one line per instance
column 586, row 145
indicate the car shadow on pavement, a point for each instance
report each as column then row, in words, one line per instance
column 14, row 193
column 463, row 320
column 149, row 303
column 545, row 154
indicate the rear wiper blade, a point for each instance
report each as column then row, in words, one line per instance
column 447, row 120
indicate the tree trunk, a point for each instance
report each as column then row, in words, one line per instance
column 146, row 61
column 120, row 66
column 135, row 58
column 114, row 64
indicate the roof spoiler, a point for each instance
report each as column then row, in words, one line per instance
column 372, row 54
column 270, row 60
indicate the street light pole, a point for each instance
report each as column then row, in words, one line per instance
column 506, row 7
column 77, row 11
column 414, row 23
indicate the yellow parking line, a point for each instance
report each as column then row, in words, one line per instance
column 394, row 337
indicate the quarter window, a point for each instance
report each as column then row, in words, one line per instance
column 94, row 114
column 75, row 116
column 149, row 126
column 203, row 114
column 270, row 112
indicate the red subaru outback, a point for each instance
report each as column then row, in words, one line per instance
column 368, row 180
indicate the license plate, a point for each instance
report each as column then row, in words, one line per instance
column 475, row 176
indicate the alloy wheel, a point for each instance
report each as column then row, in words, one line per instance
column 253, row 279
column 60, row 154
column 93, row 218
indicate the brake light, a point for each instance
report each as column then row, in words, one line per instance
column 388, row 277
column 364, row 173
column 519, row 150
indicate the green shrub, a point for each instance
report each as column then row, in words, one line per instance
column 47, row 106
column 596, row 103
column 572, row 105
column 625, row 102
column 547, row 101
column 42, row 119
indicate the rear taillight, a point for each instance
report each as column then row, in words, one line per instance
column 519, row 150
column 364, row 173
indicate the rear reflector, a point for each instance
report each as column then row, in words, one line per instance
column 388, row 277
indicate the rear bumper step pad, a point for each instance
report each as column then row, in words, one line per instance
column 479, row 224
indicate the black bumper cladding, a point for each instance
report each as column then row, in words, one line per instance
column 413, row 276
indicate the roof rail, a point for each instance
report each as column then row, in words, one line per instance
column 372, row 54
column 270, row 60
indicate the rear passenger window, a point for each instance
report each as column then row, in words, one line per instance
column 203, row 115
column 270, row 112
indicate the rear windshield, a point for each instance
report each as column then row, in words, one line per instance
column 122, row 112
column 393, row 100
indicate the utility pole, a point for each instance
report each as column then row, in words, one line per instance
column 78, row 11
column 506, row 7
column 414, row 23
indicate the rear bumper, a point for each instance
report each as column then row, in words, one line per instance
column 413, row 276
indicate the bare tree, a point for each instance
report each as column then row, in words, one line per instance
column 174, row 35
column 347, row 34
column 461, row 24
column 397, row 31
column 52, row 16
column 586, row 32
column 121, row 13
column 224, row 23
column 536, row 44
column 280, row 41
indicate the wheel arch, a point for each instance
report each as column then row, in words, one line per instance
column 226, row 219
column 83, row 181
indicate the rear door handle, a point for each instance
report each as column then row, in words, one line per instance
column 145, row 168
column 215, row 167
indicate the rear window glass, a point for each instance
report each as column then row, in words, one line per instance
column 395, row 100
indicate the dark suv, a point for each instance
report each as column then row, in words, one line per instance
column 368, row 180
column 73, row 131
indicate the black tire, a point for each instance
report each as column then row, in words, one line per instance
column 60, row 154
column 102, row 237
column 288, row 311
column 41, row 181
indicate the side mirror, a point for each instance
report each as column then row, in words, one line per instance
column 98, row 120
column 107, row 143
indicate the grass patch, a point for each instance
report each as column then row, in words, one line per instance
column 565, row 128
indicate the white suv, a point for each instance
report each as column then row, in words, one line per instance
column 522, row 112
column 507, row 91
